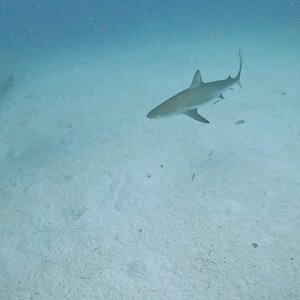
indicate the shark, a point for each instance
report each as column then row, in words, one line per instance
column 187, row 101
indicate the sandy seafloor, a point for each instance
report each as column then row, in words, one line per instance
column 99, row 202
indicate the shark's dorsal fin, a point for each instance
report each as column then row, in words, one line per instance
column 197, row 80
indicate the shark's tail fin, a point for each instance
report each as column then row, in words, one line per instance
column 238, row 76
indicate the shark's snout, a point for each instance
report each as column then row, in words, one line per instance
column 149, row 116
column 153, row 114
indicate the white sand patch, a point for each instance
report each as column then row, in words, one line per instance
column 98, row 202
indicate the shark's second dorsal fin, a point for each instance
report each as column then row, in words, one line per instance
column 197, row 80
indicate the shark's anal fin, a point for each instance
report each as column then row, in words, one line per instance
column 194, row 115
column 197, row 80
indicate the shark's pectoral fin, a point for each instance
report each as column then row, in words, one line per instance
column 194, row 115
column 221, row 96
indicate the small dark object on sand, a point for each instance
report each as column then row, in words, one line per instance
column 254, row 245
column 238, row 122
column 283, row 93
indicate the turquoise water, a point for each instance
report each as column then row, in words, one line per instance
column 99, row 202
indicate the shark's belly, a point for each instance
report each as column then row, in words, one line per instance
column 200, row 100
column 205, row 97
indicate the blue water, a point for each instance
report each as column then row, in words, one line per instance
column 99, row 202
column 42, row 23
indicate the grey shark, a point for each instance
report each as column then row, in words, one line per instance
column 187, row 101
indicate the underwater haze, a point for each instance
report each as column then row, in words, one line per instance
column 97, row 201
